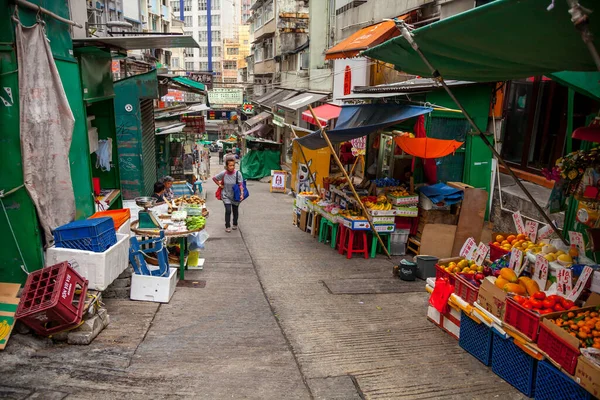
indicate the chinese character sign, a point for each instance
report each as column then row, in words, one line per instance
column 278, row 181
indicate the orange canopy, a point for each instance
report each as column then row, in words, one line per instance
column 364, row 39
column 427, row 147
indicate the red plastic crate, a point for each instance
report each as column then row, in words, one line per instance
column 465, row 289
column 525, row 321
column 496, row 252
column 440, row 273
column 557, row 349
column 49, row 302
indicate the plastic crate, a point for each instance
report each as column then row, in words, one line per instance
column 476, row 338
column 552, row 384
column 513, row 365
column 119, row 217
column 89, row 234
column 50, row 302
column 525, row 321
column 557, row 349
column 496, row 252
column 440, row 273
column 465, row 289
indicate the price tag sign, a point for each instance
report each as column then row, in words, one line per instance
column 541, row 271
column 531, row 230
column 278, row 181
column 564, row 281
column 468, row 249
column 545, row 232
column 576, row 238
column 481, row 253
column 583, row 278
column 519, row 225
column 516, row 259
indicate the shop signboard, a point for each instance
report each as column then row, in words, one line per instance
column 248, row 108
column 221, row 115
column 231, row 97
column 205, row 78
column 358, row 146
column 279, row 121
column 278, row 181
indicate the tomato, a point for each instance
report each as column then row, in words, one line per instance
column 520, row 299
column 527, row 305
column 546, row 311
column 548, row 303
column 539, row 296
column 574, row 308
column 558, row 307
column 536, row 303
column 567, row 304
column 554, row 297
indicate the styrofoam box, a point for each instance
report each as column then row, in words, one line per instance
column 125, row 229
column 158, row 289
column 100, row 269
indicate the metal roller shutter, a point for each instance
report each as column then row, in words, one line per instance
column 148, row 144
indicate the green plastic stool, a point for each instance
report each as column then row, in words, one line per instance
column 375, row 246
column 325, row 227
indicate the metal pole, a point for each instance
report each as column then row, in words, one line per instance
column 35, row 7
column 209, row 33
column 579, row 17
column 436, row 75
column 339, row 163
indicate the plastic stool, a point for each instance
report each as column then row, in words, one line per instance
column 325, row 229
column 376, row 246
column 355, row 242
column 341, row 238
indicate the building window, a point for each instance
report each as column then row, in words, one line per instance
column 216, row 50
column 258, row 18
column 304, row 60
column 203, row 51
column 201, row 20
column 233, row 51
column 203, row 66
column 175, row 6
column 175, row 63
column 216, row 4
column 535, row 126
column 268, row 13
column 258, row 53
column 216, row 36
column 189, row 66
column 189, row 52
column 215, row 20
column 187, row 5
column 268, row 46
column 187, row 21
column 230, row 64
column 216, row 66
column 202, row 36
column 201, row 5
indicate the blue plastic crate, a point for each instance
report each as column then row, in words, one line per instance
column 513, row 365
column 552, row 384
column 90, row 234
column 476, row 339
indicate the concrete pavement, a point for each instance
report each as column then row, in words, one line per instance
column 265, row 326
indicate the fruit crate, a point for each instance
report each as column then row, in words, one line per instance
column 513, row 365
column 441, row 273
column 52, row 299
column 404, row 200
column 89, row 234
column 119, row 217
column 465, row 289
column 476, row 338
column 525, row 321
column 496, row 252
column 552, row 384
column 557, row 349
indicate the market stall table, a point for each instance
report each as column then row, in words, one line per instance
column 182, row 235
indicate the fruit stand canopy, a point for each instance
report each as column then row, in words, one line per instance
column 502, row 40
column 324, row 113
column 360, row 120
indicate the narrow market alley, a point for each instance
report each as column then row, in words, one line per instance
column 275, row 315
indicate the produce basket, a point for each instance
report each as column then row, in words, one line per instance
column 497, row 252
column 96, row 235
column 465, row 289
column 525, row 321
column 513, row 365
column 476, row 338
column 552, row 384
column 557, row 349
column 119, row 216
column 441, row 273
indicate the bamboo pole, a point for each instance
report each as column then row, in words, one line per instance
column 312, row 179
column 339, row 163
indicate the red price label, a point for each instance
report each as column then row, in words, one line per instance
column 541, row 271
column 468, row 249
column 531, row 230
column 564, row 281
column 516, row 260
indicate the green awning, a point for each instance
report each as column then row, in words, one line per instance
column 502, row 40
column 189, row 83
column 586, row 83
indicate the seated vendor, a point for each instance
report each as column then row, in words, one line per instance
column 168, row 182
column 159, row 192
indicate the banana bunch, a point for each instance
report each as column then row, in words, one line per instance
column 4, row 329
column 381, row 207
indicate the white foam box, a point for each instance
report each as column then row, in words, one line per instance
column 385, row 228
column 158, row 289
column 125, row 229
column 100, row 269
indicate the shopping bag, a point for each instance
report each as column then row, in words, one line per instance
column 219, row 192
column 440, row 295
column 237, row 191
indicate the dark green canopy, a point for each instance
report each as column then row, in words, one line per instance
column 257, row 164
column 502, row 40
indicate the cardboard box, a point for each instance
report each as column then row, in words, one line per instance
column 385, row 228
column 588, row 376
column 158, row 289
column 492, row 298
column 383, row 220
column 302, row 221
column 356, row 224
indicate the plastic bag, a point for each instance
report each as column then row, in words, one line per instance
column 440, row 295
column 196, row 240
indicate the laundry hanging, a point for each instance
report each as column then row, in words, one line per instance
column 46, row 127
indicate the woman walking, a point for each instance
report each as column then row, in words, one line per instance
column 226, row 180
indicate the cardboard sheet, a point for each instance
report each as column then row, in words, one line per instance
column 437, row 240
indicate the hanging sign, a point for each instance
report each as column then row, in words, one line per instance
column 531, row 230
column 576, row 238
column 518, row 222
column 516, row 259
column 359, row 146
column 481, row 253
column 583, row 278
column 541, row 271
column 347, row 80
column 468, row 249
column 564, row 281
column 278, row 181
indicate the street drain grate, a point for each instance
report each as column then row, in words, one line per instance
column 192, row 284
column 372, row 286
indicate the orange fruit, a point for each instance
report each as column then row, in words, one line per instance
column 510, row 238
column 504, row 242
column 514, row 242
column 521, row 236
column 499, row 238
column 496, row 244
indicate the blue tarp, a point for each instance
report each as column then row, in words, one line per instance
column 442, row 193
column 360, row 120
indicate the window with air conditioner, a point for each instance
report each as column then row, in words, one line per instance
column 304, row 61
column 268, row 46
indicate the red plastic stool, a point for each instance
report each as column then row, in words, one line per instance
column 341, row 238
column 355, row 242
